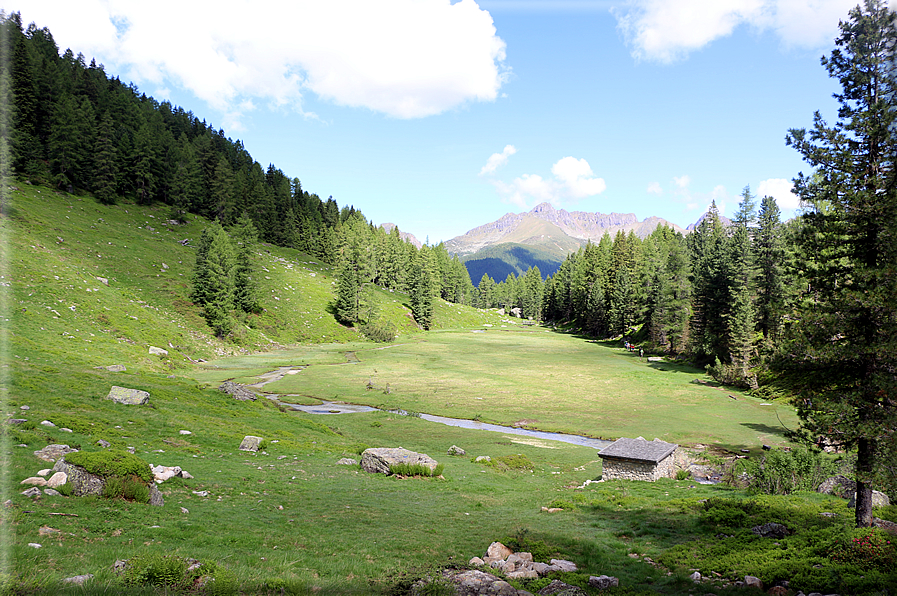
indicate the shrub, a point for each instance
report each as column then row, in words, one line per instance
column 163, row 571
column 511, row 462
column 782, row 472
column 866, row 547
column 380, row 331
column 414, row 470
column 131, row 488
column 112, row 462
column 682, row 474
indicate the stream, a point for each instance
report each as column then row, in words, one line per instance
column 329, row 407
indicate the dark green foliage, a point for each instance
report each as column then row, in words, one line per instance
column 379, row 330
column 843, row 350
column 126, row 487
column 866, row 548
column 780, row 472
column 112, row 462
column 415, row 470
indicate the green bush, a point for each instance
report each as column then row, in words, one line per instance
column 682, row 474
column 112, row 462
column 380, row 331
column 866, row 547
column 783, row 472
column 414, row 470
column 131, row 488
column 511, row 462
column 154, row 569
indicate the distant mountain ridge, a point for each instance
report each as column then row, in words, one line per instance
column 541, row 237
column 550, row 228
column 403, row 235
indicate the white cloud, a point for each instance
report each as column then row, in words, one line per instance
column 667, row 30
column 498, row 159
column 403, row 58
column 654, row 189
column 682, row 181
column 573, row 180
column 781, row 190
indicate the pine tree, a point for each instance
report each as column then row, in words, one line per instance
column 844, row 349
column 740, row 316
column 770, row 259
column 105, row 173
column 246, row 293
column 423, row 286
column 220, row 289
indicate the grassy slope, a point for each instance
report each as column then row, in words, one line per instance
column 287, row 518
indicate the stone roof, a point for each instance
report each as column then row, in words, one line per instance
column 638, row 449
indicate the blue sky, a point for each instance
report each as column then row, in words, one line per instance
column 442, row 115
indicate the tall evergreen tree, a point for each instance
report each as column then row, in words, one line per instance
column 246, row 293
column 770, row 259
column 845, row 344
column 105, row 171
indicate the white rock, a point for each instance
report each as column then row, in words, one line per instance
column 158, row 351
column 185, row 432
column 35, row 481
column 44, row 472
column 57, row 480
column 35, row 545
column 47, row 423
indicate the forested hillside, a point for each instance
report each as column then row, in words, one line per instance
column 75, row 128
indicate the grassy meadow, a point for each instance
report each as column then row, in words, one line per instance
column 289, row 520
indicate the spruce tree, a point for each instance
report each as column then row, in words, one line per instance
column 246, row 293
column 844, row 346
column 105, row 172
column 770, row 259
column 220, row 284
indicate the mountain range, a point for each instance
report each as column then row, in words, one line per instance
column 541, row 237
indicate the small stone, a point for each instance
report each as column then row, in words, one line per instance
column 476, row 562
column 35, row 545
column 455, row 450
column 695, row 577
column 130, row 397
column 158, row 351
column 347, row 461
column 47, row 531
column 51, row 492
column 563, row 565
column 104, row 444
column 497, row 550
column 603, row 582
column 201, row 493
column 47, row 423
column 65, row 430
column 24, row 407
column 186, row 475
column 753, row 582
column 16, row 421
column 185, row 432
column 44, row 472
column 35, row 481
column 78, row 580
column 116, row 368
column 184, row 510
column 778, row 591
column 482, row 458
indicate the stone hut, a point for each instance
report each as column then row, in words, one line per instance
column 638, row 459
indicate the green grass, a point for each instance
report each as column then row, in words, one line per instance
column 289, row 519
column 550, row 381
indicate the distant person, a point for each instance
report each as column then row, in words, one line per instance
column 641, row 353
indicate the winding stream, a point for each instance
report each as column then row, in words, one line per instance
column 330, row 407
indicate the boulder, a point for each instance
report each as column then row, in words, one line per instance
column 250, row 443
column 879, row 499
column 32, row 492
column 378, row 460
column 468, row 583
column 455, row 450
column 156, row 499
column 771, row 530
column 753, row 582
column 562, row 565
column 51, row 492
column 35, row 481
column 83, row 483
column 476, row 562
column 53, row 452
column 163, row 473
column 603, row 582
column 840, row 486
column 130, row 397
column 557, row 587
column 158, row 351
column 498, row 551
column 238, row 391
column 57, row 480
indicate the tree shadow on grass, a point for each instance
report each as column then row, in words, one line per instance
column 779, row 431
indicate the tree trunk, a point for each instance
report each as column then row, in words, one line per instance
column 865, row 457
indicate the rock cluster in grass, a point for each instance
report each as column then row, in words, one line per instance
column 520, row 565
column 238, row 391
column 846, row 488
column 79, row 481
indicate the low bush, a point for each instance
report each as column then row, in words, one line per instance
column 414, row 470
column 131, row 488
column 380, row 331
column 866, row 547
column 112, row 462
column 170, row 572
column 510, row 462
column 783, row 472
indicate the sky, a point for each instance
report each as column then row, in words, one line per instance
column 443, row 115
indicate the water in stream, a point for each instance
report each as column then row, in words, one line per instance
column 329, row 407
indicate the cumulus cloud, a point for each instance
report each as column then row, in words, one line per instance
column 654, row 189
column 668, row 30
column 498, row 159
column 403, row 58
column 781, row 190
column 573, row 180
